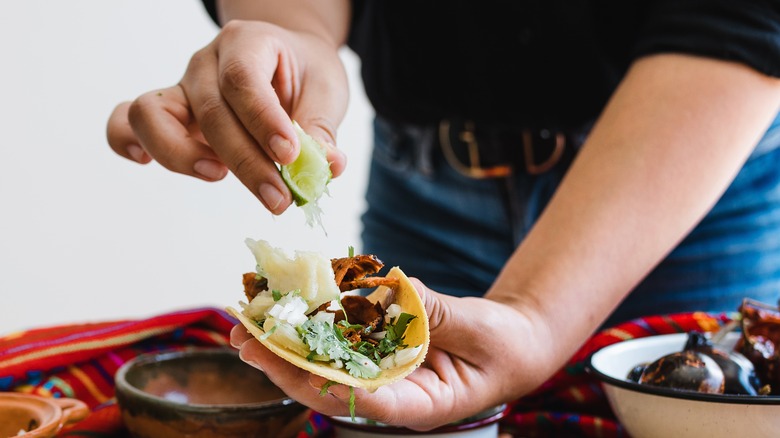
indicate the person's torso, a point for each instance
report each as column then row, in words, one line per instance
column 541, row 62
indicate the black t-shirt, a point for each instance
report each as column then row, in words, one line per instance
column 551, row 63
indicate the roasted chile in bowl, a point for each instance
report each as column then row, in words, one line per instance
column 760, row 340
column 751, row 368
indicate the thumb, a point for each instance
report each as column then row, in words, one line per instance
column 458, row 325
column 436, row 306
column 121, row 137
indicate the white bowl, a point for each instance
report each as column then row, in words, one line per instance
column 482, row 425
column 649, row 411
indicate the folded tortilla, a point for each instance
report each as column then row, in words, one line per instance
column 417, row 334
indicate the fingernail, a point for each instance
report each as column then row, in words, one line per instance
column 209, row 169
column 270, row 195
column 136, row 152
column 332, row 147
column 280, row 146
column 251, row 363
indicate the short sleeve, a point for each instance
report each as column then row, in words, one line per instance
column 746, row 31
column 211, row 8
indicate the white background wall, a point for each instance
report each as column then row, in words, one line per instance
column 86, row 235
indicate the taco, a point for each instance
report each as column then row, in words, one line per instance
column 305, row 310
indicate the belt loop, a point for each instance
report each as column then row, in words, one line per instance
column 528, row 152
column 424, row 152
column 422, row 140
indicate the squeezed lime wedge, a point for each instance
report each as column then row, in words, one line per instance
column 308, row 176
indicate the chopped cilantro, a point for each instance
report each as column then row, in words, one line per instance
column 324, row 389
column 325, row 339
column 276, row 294
column 268, row 333
column 369, row 350
column 352, row 402
column 394, row 336
column 324, row 392
column 345, row 325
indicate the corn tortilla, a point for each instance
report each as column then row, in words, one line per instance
column 417, row 333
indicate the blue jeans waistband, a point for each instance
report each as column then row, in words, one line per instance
column 456, row 233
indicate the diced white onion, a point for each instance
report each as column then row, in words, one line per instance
column 297, row 319
column 328, row 317
column 260, row 304
column 400, row 357
column 285, row 335
column 392, row 311
column 387, row 362
column 291, row 309
column 275, row 311
column 403, row 357
column 378, row 335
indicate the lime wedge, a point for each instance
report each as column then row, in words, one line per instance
column 308, row 176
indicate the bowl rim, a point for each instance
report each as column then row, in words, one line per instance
column 123, row 385
column 668, row 392
column 481, row 419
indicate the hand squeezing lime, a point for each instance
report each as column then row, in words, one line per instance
column 308, row 176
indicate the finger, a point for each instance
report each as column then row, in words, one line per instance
column 251, row 82
column 416, row 398
column 161, row 121
column 228, row 137
column 262, row 90
column 320, row 110
column 337, row 159
column 290, row 379
column 121, row 137
column 333, row 400
column 238, row 335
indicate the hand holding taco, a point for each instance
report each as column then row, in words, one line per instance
column 302, row 309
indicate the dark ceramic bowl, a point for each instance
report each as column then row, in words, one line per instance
column 203, row 393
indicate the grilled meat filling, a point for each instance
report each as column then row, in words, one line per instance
column 350, row 273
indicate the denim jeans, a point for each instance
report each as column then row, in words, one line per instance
column 455, row 233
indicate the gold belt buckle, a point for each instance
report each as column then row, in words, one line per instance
column 475, row 170
column 531, row 166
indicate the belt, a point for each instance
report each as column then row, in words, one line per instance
column 480, row 151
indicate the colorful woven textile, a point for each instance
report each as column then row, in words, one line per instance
column 79, row 361
column 572, row 403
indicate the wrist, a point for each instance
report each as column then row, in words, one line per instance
column 527, row 347
column 328, row 19
column 543, row 340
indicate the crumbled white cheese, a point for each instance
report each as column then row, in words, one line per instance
column 310, row 273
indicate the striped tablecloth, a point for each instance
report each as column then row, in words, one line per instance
column 79, row 361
